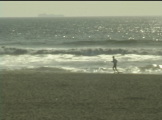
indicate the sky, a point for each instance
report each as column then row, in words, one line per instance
column 80, row 8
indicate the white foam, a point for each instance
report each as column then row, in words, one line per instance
column 160, row 66
column 99, row 64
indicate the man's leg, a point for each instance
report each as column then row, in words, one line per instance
column 116, row 69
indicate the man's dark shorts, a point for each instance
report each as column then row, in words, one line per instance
column 114, row 66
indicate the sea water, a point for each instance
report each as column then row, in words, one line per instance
column 82, row 44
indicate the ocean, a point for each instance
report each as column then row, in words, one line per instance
column 82, row 44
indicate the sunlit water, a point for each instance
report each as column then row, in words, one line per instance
column 82, row 44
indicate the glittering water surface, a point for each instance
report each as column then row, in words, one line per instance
column 82, row 44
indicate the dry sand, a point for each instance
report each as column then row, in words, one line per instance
column 32, row 95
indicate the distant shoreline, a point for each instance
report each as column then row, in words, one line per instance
column 80, row 16
column 50, row 15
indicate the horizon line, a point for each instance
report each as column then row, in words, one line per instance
column 82, row 16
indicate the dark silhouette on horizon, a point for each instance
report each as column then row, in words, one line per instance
column 50, row 15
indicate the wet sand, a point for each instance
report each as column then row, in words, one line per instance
column 40, row 95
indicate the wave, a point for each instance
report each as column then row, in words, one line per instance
column 115, row 42
column 152, row 67
column 148, row 69
column 80, row 51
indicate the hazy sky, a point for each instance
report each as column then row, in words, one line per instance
column 80, row 8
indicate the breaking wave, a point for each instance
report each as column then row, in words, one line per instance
column 80, row 51
column 116, row 42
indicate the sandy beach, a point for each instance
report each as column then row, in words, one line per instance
column 33, row 95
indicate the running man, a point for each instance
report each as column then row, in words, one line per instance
column 115, row 64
